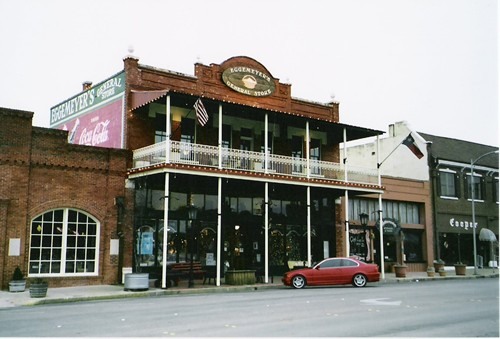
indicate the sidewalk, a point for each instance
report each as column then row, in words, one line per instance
column 102, row 292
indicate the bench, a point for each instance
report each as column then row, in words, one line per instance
column 179, row 271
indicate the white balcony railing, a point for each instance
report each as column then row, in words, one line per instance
column 204, row 155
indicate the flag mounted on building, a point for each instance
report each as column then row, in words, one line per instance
column 412, row 145
column 201, row 112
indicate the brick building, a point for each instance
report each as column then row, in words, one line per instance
column 254, row 184
column 58, row 212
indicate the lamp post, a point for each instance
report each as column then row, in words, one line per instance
column 363, row 217
column 472, row 163
column 192, row 214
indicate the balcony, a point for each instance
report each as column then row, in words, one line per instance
column 233, row 159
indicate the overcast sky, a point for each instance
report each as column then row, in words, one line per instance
column 432, row 63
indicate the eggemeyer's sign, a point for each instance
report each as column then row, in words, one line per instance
column 248, row 81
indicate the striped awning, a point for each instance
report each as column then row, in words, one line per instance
column 487, row 235
column 142, row 98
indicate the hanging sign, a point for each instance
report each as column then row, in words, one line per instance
column 248, row 81
column 390, row 226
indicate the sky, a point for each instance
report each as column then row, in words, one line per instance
column 432, row 63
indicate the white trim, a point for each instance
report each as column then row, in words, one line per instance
column 464, row 165
column 447, row 197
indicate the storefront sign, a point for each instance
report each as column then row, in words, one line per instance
column 248, row 81
column 95, row 117
column 89, row 100
column 464, row 224
column 390, row 226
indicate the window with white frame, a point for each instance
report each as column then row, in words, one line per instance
column 447, row 184
column 495, row 188
column 475, row 180
column 64, row 242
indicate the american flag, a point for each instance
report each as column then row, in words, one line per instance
column 201, row 112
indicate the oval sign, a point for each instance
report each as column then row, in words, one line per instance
column 248, row 81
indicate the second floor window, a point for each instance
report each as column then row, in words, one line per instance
column 447, row 184
column 474, row 183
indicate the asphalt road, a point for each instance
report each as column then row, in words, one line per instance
column 453, row 308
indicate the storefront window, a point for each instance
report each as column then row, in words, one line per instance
column 64, row 241
column 413, row 245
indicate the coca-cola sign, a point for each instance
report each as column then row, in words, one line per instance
column 102, row 127
column 94, row 117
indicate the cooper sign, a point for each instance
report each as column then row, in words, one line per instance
column 248, row 81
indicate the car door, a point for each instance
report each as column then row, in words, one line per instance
column 328, row 271
column 346, row 273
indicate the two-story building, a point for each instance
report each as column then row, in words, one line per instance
column 228, row 167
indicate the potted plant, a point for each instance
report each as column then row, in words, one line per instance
column 460, row 268
column 438, row 264
column 18, row 283
column 400, row 270
column 430, row 271
column 442, row 272
column 38, row 288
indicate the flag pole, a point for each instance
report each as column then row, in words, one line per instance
column 395, row 148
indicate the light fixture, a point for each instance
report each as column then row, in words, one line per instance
column 363, row 217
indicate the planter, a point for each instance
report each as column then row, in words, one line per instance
column 430, row 271
column 438, row 266
column 240, row 277
column 17, row 286
column 136, row 281
column 442, row 272
column 400, row 271
column 460, row 269
column 38, row 290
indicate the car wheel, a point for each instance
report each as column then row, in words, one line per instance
column 298, row 281
column 359, row 280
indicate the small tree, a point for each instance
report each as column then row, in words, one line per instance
column 18, row 274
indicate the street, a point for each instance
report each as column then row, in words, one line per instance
column 453, row 308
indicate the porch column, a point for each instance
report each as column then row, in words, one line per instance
column 220, row 137
column 167, row 132
column 308, row 163
column 346, row 195
column 219, row 231
column 165, row 231
column 381, row 222
column 309, row 249
column 266, row 142
column 266, row 232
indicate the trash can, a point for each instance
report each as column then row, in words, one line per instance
column 479, row 261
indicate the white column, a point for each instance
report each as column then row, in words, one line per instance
column 266, row 232
column 220, row 136
column 309, row 249
column 219, row 231
column 381, row 221
column 308, row 162
column 266, row 142
column 167, row 131
column 346, row 198
column 165, row 231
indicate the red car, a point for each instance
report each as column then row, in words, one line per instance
column 333, row 271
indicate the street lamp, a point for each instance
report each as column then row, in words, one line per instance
column 192, row 214
column 472, row 163
column 363, row 217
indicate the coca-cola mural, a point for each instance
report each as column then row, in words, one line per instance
column 95, row 116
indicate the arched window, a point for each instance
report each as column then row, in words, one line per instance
column 64, row 242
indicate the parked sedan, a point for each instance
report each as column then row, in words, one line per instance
column 333, row 271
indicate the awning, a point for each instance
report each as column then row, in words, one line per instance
column 487, row 235
column 141, row 98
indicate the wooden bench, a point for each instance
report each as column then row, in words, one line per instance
column 180, row 271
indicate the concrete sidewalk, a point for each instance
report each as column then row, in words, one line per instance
column 102, row 292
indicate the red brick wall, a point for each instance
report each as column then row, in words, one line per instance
column 39, row 171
